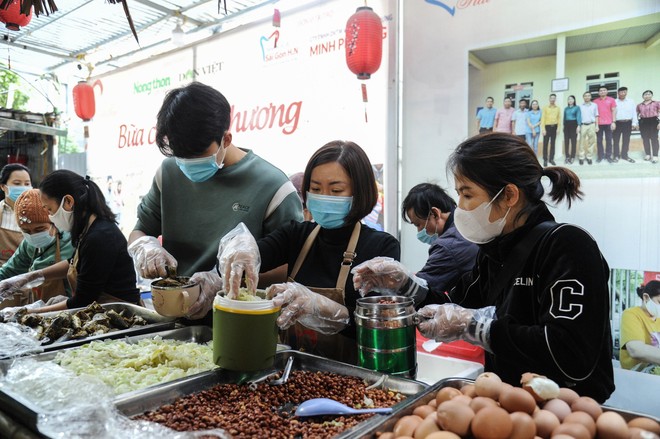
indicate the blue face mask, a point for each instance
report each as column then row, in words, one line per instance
column 424, row 237
column 16, row 191
column 39, row 239
column 329, row 211
column 200, row 169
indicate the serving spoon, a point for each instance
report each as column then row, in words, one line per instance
column 326, row 406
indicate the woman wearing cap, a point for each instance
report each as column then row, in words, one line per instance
column 101, row 269
column 14, row 180
column 43, row 245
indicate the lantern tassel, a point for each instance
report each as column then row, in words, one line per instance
column 276, row 17
column 365, row 100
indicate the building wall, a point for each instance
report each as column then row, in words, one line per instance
column 438, row 106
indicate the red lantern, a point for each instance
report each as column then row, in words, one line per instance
column 12, row 16
column 364, row 42
column 83, row 100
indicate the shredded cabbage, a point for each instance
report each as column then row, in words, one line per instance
column 245, row 296
column 131, row 366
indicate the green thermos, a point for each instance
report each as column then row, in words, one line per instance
column 386, row 335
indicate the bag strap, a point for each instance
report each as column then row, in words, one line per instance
column 517, row 257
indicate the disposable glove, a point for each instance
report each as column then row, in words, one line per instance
column 151, row 260
column 312, row 310
column 451, row 322
column 56, row 299
column 209, row 283
column 387, row 276
column 238, row 253
column 22, row 281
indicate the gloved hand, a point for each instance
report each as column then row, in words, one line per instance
column 56, row 299
column 451, row 322
column 300, row 304
column 209, row 283
column 238, row 253
column 384, row 275
column 22, row 281
column 151, row 260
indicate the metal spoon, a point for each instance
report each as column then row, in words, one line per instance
column 326, row 406
column 285, row 374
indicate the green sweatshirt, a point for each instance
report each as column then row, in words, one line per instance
column 192, row 217
column 27, row 258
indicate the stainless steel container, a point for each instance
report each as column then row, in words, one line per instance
column 386, row 335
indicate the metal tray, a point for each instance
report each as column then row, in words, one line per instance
column 154, row 397
column 27, row 411
column 406, row 407
column 155, row 322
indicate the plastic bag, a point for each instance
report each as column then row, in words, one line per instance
column 66, row 412
column 17, row 340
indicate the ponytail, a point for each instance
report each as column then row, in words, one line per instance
column 565, row 184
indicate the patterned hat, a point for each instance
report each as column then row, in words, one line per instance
column 29, row 209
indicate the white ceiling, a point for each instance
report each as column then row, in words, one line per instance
column 574, row 43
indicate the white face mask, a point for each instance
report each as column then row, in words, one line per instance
column 475, row 225
column 62, row 219
column 653, row 308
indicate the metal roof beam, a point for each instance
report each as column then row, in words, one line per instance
column 27, row 127
column 69, row 58
column 653, row 41
column 168, row 11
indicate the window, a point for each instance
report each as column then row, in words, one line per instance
column 516, row 92
column 608, row 80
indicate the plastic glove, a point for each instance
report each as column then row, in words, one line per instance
column 209, row 283
column 385, row 275
column 26, row 280
column 151, row 260
column 56, row 299
column 238, row 253
column 451, row 322
column 300, row 304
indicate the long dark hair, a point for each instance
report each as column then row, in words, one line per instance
column 496, row 159
column 357, row 165
column 87, row 196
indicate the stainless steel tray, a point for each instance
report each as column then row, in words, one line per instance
column 155, row 322
column 27, row 411
column 406, row 407
column 154, row 397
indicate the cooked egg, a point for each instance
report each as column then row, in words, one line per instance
column 492, row 423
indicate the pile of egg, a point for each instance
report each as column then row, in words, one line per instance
column 491, row 409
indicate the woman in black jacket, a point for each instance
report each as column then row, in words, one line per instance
column 537, row 299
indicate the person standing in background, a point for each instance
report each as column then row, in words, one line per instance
column 649, row 124
column 14, row 180
column 430, row 209
column 503, row 118
column 606, row 117
column 588, row 127
column 626, row 121
column 519, row 120
column 550, row 123
column 640, row 332
column 486, row 117
column 533, row 126
column 572, row 122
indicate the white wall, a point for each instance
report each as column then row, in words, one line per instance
column 435, row 104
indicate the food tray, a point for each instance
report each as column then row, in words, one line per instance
column 406, row 407
column 152, row 398
column 27, row 412
column 155, row 322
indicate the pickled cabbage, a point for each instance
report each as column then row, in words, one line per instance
column 131, row 366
